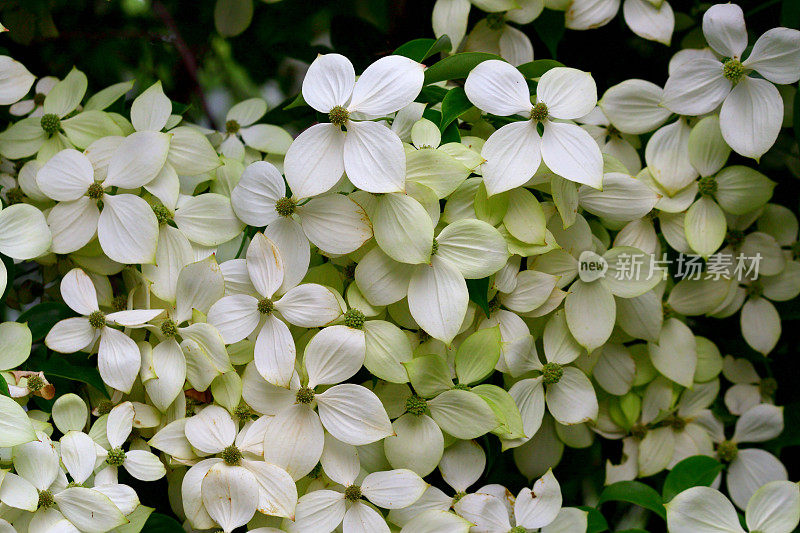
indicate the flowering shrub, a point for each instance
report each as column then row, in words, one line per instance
column 469, row 258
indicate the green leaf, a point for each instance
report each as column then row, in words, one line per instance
column 478, row 355
column 432, row 94
column 161, row 523
column 421, row 49
column 456, row 66
column 699, row 470
column 4, row 387
column 479, row 293
column 454, row 104
column 596, row 521
column 75, row 367
column 535, row 69
column 10, row 271
column 550, row 28
column 505, row 410
column 451, row 134
column 180, row 109
column 636, row 493
column 297, row 102
column 41, row 318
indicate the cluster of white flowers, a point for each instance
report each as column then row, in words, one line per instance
column 295, row 332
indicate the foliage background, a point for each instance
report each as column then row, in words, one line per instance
column 176, row 41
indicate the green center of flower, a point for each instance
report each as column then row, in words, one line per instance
column 517, row 529
column 416, row 405
column 495, row 21
column 316, row 471
column 232, row 127
column 539, row 112
column 305, row 395
column 119, row 303
column 162, row 214
column 97, row 319
column 354, row 318
column 116, row 457
column 733, row 70
column 95, row 191
column 104, row 407
column 73, row 484
column 15, row 196
column 727, row 451
column 435, row 247
column 768, row 386
column 50, row 123
column 707, row 185
column 232, row 456
column 169, row 328
column 352, row 493
column 754, row 290
column 339, row 116
column 734, row 237
column 461, row 386
column 46, row 499
column 265, row 306
column 243, row 412
column 35, row 383
column 552, row 373
column 638, row 431
column 285, row 207
column 458, row 496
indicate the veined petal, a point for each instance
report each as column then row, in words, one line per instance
column 138, row 159
column 320, row 511
column 329, row 82
column 277, row 491
column 230, row 495
column 774, row 54
column 724, row 29
column 70, row 335
column 118, row 359
column 143, row 465
column 751, row 117
column 572, row 400
column 761, row 324
column 235, row 317
column 568, row 93
column 78, row 292
column 314, row 162
column 247, row 112
column 388, row 84
column 590, row 311
column 362, row 518
column 588, row 14
column 295, row 250
column 294, row 440
column 127, row 229
column 374, row 158
column 540, row 506
column 89, row 510
column 254, row 197
column 265, row 265
column 211, row 430
column 702, row 510
column 151, row 109
column 498, row 88
column 475, row 247
column 333, row 355
column 381, row 279
column 437, row 298
column 275, row 352
column 696, row 88
column 72, row 224
column 393, row 489
column 352, row 225
column 774, row 507
column 648, row 21
column 353, row 414
column 512, row 154
column 309, row 305
column 569, row 151
column 759, row 424
column 66, row 176
column 403, row 229
column 487, row 512
column 752, row 469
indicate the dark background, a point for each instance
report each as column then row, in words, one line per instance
column 176, row 41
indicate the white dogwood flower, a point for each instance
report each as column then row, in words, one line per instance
column 241, row 130
column 34, row 107
column 118, row 356
column 649, row 19
column 370, row 153
column 24, row 234
column 752, row 108
column 513, row 153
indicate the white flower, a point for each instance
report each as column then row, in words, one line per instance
column 35, row 106
column 238, row 316
column 118, row 356
column 774, row 508
column 15, row 81
column 371, row 154
column 23, row 235
column 752, row 108
column 240, row 126
column 649, row 19
column 514, row 152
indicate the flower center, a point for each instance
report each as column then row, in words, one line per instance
column 435, row 247
column 539, row 112
column 97, row 319
column 232, row 456
column 458, row 496
column 265, row 306
column 95, row 191
column 35, row 383
column 352, row 493
column 707, row 185
column 162, row 214
column 285, row 207
column 733, row 70
column 116, row 457
column 50, row 123
column 104, row 407
column 727, row 451
column 243, row 412
column 354, row 318
column 339, row 116
column 517, row 529
column 416, row 405
column 461, row 386
column 552, row 373
column 232, row 127
column 305, row 395
column 768, row 386
column 46, row 499
column 119, row 303
column 169, row 328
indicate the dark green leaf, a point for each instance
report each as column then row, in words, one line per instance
column 636, row 493
column 699, row 470
column 10, row 270
column 596, row 521
column 456, row 66
column 451, row 134
column 535, row 69
column 421, row 49
column 432, row 94
column 479, row 293
column 180, row 109
column 161, row 523
column 44, row 316
column 454, row 104
column 297, row 102
column 75, row 367
column 4, row 387
column 550, row 28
